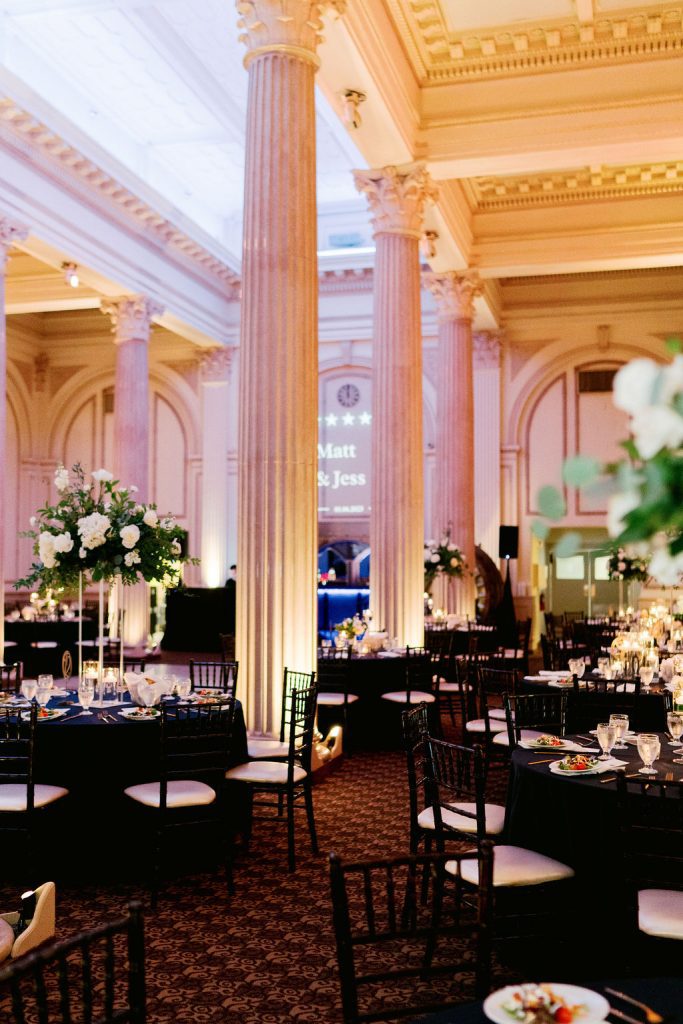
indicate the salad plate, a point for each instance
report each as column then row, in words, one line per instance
column 575, row 764
column 547, row 742
column 140, row 714
column 49, row 714
column 546, row 1003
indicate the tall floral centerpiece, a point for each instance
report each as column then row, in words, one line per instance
column 629, row 570
column 98, row 531
column 645, row 488
column 443, row 562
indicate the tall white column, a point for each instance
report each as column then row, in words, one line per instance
column 397, row 197
column 215, row 374
column 454, row 499
column 487, row 438
column 131, row 324
column 10, row 233
column 277, row 447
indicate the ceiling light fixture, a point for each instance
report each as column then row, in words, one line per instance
column 71, row 274
column 351, row 100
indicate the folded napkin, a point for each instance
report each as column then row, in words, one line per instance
column 602, row 766
column 143, row 690
column 554, row 672
column 569, row 747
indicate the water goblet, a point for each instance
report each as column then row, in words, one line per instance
column 184, row 688
column 46, row 681
column 29, row 688
column 674, row 721
column 86, row 692
column 649, row 747
column 43, row 694
column 620, row 723
column 607, row 735
column 646, row 675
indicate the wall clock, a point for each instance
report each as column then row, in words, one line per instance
column 348, row 395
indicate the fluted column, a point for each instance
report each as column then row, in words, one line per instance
column 397, row 198
column 215, row 383
column 277, row 448
column 454, row 499
column 131, row 318
column 487, row 436
column 9, row 234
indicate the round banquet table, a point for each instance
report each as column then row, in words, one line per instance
column 574, row 818
column 96, row 761
column 664, row 995
column 650, row 710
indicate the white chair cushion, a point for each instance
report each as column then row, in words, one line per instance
column 499, row 714
column 660, row 913
column 479, row 725
column 416, row 697
column 509, row 653
column 502, row 739
column 513, row 865
column 266, row 749
column 335, row 699
column 264, row 771
column 495, row 818
column 446, row 687
column 13, row 796
column 6, row 939
column 182, row 793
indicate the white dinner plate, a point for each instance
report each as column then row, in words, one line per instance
column 134, row 714
column 554, row 767
column 53, row 713
column 596, row 1006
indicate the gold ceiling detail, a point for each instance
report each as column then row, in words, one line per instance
column 585, row 184
column 441, row 55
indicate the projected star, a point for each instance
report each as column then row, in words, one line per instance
column 365, row 418
column 331, row 420
column 348, row 419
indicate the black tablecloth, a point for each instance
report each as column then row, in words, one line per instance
column 35, row 659
column 665, row 995
column 573, row 818
column 650, row 710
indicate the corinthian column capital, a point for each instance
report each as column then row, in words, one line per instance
column 486, row 346
column 455, row 292
column 284, row 26
column 214, row 367
column 10, row 233
column 397, row 197
column 131, row 316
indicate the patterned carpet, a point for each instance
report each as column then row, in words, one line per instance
column 267, row 954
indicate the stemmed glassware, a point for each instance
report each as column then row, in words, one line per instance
column 603, row 664
column 620, row 723
column 649, row 747
column 674, row 721
column 607, row 735
column 43, row 690
column 29, row 688
column 86, row 692
column 184, row 687
column 646, row 675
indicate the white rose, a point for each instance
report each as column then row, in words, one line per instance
column 175, row 547
column 454, row 562
column 46, row 549
column 61, row 478
column 666, row 568
column 102, row 476
column 129, row 535
column 82, row 553
column 634, row 385
column 431, row 543
column 452, row 547
column 672, row 379
column 93, row 529
column 434, row 559
column 150, row 517
column 32, row 521
column 63, row 542
column 139, row 509
column 655, row 428
column 618, row 506
column 132, row 558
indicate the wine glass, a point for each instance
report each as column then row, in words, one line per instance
column 184, row 688
column 86, row 692
column 646, row 675
column 29, row 688
column 46, row 681
column 649, row 747
column 43, row 693
column 603, row 663
column 620, row 723
column 674, row 721
column 607, row 735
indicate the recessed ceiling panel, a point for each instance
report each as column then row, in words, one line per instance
column 463, row 16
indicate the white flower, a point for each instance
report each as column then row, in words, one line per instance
column 452, row 547
column 434, row 558
column 129, row 535
column 672, row 379
column 102, row 476
column 618, row 506
column 150, row 517
column 93, row 529
column 455, row 562
column 61, row 478
column 655, row 428
column 175, row 547
column 431, row 543
column 133, row 489
column 139, row 509
column 82, row 553
column 46, row 549
column 634, row 385
column 132, row 558
column 63, row 542
column 32, row 521
column 666, row 568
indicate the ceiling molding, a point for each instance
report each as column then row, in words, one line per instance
column 334, row 281
column 20, row 128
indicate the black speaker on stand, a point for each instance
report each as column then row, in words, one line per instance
column 508, row 545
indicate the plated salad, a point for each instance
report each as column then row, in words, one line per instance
column 546, row 740
column 540, row 1004
column 578, row 763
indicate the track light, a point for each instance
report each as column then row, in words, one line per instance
column 71, row 274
